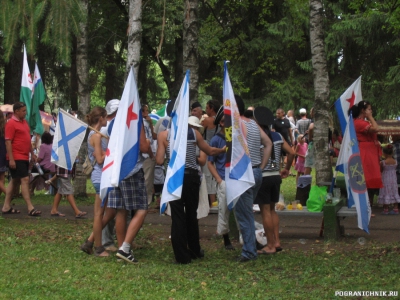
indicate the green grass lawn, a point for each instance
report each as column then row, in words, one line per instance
column 41, row 260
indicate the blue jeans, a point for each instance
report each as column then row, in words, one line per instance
column 245, row 216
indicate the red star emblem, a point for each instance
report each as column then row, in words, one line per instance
column 130, row 116
column 351, row 99
column 30, row 78
column 109, row 164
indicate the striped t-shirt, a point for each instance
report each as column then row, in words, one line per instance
column 253, row 142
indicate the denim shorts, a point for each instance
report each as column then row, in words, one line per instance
column 97, row 188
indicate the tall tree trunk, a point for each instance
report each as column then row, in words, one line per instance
column 323, row 165
column 134, row 36
column 190, row 46
column 178, row 67
column 110, row 70
column 143, row 89
column 84, row 97
column 73, row 77
column 12, row 77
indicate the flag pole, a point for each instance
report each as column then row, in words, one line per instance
column 83, row 123
column 104, row 136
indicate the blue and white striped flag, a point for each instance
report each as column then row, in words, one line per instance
column 172, row 189
column 239, row 175
column 123, row 148
column 68, row 138
column 350, row 164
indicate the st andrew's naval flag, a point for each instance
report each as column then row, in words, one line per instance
column 239, row 175
column 123, row 148
column 67, row 141
column 172, row 189
column 349, row 98
column 349, row 163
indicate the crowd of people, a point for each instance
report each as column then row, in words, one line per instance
column 275, row 146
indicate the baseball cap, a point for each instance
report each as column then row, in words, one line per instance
column 112, row 106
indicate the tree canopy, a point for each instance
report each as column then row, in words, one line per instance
column 266, row 42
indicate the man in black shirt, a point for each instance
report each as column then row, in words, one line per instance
column 282, row 126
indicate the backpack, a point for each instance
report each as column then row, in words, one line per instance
column 87, row 166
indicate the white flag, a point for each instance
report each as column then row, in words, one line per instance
column 68, row 138
column 123, row 148
column 172, row 189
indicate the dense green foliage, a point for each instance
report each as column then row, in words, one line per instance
column 267, row 43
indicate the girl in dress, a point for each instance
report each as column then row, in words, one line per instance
column 389, row 193
column 301, row 150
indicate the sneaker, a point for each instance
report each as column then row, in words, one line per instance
column 127, row 257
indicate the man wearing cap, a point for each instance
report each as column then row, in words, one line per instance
column 196, row 110
column 303, row 124
column 107, row 236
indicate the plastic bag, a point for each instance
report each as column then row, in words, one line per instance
column 316, row 199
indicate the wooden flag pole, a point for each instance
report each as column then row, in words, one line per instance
column 104, row 136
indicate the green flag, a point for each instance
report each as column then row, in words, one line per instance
column 39, row 94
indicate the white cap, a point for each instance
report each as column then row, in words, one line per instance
column 112, row 106
column 194, row 121
column 302, row 111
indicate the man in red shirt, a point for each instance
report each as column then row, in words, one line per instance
column 18, row 145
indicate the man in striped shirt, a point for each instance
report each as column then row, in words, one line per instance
column 244, row 206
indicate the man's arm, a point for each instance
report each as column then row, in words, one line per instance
column 213, row 171
column 10, row 154
column 205, row 147
column 160, row 154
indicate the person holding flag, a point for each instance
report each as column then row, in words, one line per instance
column 370, row 148
column 244, row 207
column 185, row 228
column 97, row 147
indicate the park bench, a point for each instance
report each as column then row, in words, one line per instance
column 331, row 215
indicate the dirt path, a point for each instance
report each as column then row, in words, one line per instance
column 296, row 233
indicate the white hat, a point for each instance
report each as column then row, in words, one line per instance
column 112, row 106
column 302, row 111
column 194, row 121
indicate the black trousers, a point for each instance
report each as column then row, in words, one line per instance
column 185, row 227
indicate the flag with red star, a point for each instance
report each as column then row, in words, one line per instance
column 349, row 98
column 123, row 148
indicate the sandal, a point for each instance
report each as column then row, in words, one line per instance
column 81, row 214
column 11, row 211
column 100, row 252
column 87, row 247
column 57, row 214
column 34, row 213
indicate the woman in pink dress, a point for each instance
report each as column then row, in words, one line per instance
column 389, row 193
column 370, row 149
column 301, row 150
